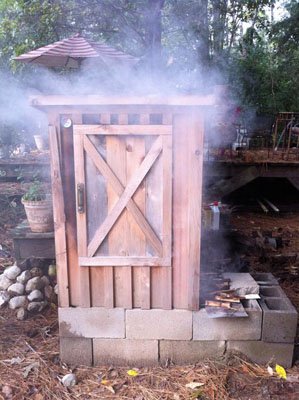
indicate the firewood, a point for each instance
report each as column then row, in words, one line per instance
column 228, row 299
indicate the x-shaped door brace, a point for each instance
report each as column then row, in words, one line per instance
column 125, row 195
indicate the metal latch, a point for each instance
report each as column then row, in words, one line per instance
column 80, row 197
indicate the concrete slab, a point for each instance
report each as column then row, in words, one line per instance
column 159, row 324
column 76, row 351
column 92, row 322
column 125, row 352
column 183, row 352
column 279, row 320
column 245, row 328
column 262, row 352
column 242, row 283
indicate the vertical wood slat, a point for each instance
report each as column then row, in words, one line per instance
column 109, row 297
column 188, row 150
column 59, row 219
column 145, row 273
column 81, row 217
column 68, row 180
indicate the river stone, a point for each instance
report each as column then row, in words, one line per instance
column 35, row 306
column 35, row 295
column 24, row 277
column 34, row 283
column 45, row 280
column 56, row 289
column 17, row 289
column 4, row 298
column 69, row 380
column 36, row 271
column 22, row 314
column 4, row 282
column 12, row 272
column 17, row 302
column 48, row 291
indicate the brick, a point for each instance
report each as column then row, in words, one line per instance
column 265, row 278
column 76, row 351
column 272, row 291
column 242, row 282
column 159, row 324
column 189, row 352
column 262, row 352
column 279, row 320
column 245, row 328
column 92, row 322
column 125, row 352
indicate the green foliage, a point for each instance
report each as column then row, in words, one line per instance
column 36, row 191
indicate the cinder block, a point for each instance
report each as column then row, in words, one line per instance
column 245, row 328
column 76, row 351
column 189, row 352
column 265, row 278
column 279, row 320
column 125, row 352
column 159, row 324
column 271, row 291
column 243, row 283
column 262, row 352
column 92, row 322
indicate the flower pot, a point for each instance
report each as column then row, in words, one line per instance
column 40, row 142
column 39, row 215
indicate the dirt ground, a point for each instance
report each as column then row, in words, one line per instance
column 30, row 367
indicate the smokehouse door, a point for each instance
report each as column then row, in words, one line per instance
column 123, row 177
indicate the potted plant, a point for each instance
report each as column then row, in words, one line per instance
column 38, row 207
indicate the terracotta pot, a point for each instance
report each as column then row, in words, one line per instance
column 39, row 215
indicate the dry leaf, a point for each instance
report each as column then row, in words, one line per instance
column 132, row 372
column 194, row 385
column 270, row 370
column 30, row 367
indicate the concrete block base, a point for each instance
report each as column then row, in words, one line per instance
column 99, row 336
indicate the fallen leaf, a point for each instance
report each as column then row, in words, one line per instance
column 105, row 382
column 194, row 385
column 176, row 397
column 38, row 396
column 30, row 367
column 131, row 372
column 196, row 394
column 110, row 388
column 270, row 370
column 281, row 371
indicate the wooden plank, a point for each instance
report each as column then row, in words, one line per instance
column 136, row 239
column 166, row 274
column 187, row 192
column 97, row 210
column 125, row 261
column 108, row 272
column 96, row 100
column 152, row 130
column 59, row 220
column 112, row 179
column 68, row 181
column 117, row 237
column 81, row 220
column 126, row 196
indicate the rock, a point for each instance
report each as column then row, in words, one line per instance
column 17, row 289
column 17, row 302
column 35, row 295
column 7, row 391
column 4, row 282
column 4, row 298
column 34, row 283
column 12, row 272
column 24, row 277
column 45, row 280
column 69, row 380
column 36, row 272
column 34, row 306
column 22, row 314
column 49, row 292
column 56, row 289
